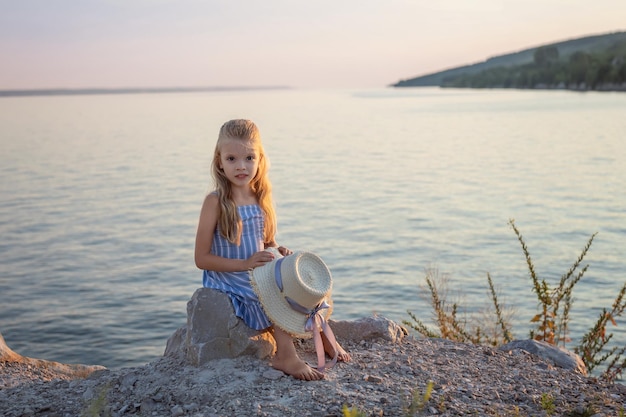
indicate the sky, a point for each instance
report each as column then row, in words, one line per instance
column 257, row 43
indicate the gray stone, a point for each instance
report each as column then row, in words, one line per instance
column 273, row 374
column 368, row 328
column 554, row 354
column 177, row 344
column 213, row 331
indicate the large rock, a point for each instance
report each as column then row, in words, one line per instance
column 558, row 356
column 368, row 328
column 213, row 331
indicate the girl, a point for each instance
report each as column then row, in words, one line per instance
column 237, row 223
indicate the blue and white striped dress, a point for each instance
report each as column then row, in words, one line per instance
column 237, row 284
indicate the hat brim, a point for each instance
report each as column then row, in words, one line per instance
column 278, row 310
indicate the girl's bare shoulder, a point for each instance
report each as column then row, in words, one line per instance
column 211, row 202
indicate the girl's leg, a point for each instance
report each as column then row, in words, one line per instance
column 288, row 361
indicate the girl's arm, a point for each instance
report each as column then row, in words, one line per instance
column 204, row 241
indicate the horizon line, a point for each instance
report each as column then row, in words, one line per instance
column 128, row 90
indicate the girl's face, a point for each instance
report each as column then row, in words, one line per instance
column 239, row 160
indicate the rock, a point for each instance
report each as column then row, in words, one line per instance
column 213, row 331
column 273, row 374
column 177, row 411
column 558, row 356
column 6, row 354
column 368, row 328
column 374, row 379
column 41, row 369
column 176, row 345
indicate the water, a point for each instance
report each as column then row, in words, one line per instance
column 100, row 197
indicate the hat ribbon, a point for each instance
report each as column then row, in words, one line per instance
column 315, row 323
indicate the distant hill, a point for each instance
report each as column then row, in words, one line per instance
column 588, row 44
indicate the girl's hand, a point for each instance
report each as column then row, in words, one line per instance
column 259, row 259
column 284, row 251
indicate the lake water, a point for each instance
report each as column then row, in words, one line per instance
column 100, row 196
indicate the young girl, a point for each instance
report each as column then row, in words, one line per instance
column 237, row 223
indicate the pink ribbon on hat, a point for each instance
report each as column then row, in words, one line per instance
column 315, row 323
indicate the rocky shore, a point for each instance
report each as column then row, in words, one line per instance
column 382, row 379
column 216, row 366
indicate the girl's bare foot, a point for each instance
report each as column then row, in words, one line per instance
column 297, row 368
column 342, row 355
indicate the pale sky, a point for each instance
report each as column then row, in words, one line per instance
column 300, row 44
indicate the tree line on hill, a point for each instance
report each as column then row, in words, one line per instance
column 603, row 70
column 595, row 62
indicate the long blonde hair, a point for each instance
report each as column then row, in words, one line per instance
column 229, row 221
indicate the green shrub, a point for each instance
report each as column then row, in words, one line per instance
column 551, row 322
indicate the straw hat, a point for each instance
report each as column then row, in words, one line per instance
column 292, row 289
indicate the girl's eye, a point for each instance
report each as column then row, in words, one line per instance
column 250, row 158
column 230, row 158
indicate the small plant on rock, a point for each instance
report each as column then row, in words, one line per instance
column 552, row 321
column 98, row 406
column 452, row 327
column 555, row 303
column 595, row 341
column 547, row 404
column 352, row 412
column 419, row 400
